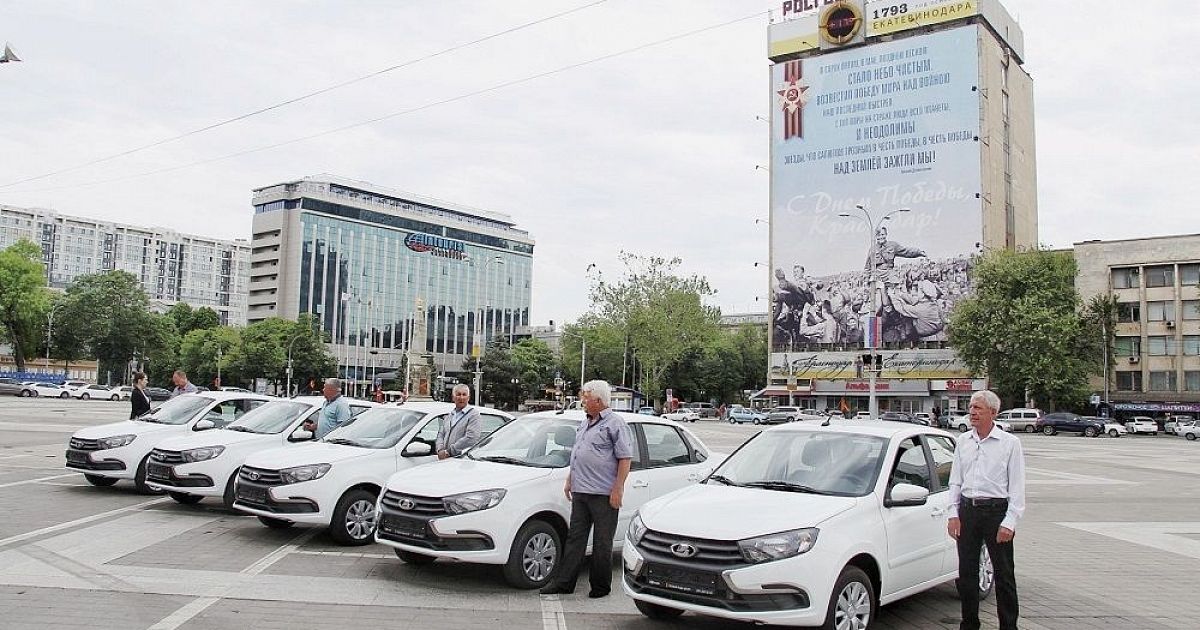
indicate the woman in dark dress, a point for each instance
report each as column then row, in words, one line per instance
column 139, row 398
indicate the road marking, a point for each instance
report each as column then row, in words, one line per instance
column 553, row 617
column 345, row 554
column 79, row 521
column 1176, row 538
column 200, row 604
column 39, row 479
column 1058, row 477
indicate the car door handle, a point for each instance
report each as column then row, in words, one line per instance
column 694, row 477
column 939, row 512
column 640, row 484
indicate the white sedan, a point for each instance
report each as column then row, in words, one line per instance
column 804, row 525
column 49, row 390
column 1142, row 424
column 682, row 415
column 503, row 503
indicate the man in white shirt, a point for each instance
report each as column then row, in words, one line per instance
column 987, row 499
column 463, row 429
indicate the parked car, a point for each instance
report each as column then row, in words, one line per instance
column 124, row 392
column 1190, row 432
column 738, row 414
column 925, row 417
column 1063, row 421
column 1142, row 424
column 50, row 390
column 235, row 389
column 862, row 415
column 1173, row 424
column 706, row 410
column 846, row 518
column 1021, row 419
column 1112, row 428
column 108, row 453
column 205, row 464
column 75, row 384
column 158, row 393
column 898, row 416
column 503, row 503
column 647, row 411
column 816, row 415
column 335, row 481
column 683, row 414
column 11, row 387
column 95, row 391
column 777, row 415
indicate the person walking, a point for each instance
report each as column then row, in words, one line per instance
column 987, row 499
column 464, row 427
column 139, row 400
column 182, row 385
column 595, row 487
column 335, row 411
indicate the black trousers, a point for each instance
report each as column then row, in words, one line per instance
column 979, row 527
column 588, row 510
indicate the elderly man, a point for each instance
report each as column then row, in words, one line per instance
column 595, row 486
column 462, row 430
column 182, row 385
column 334, row 412
column 987, row 499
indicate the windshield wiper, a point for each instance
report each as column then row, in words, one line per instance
column 786, row 486
column 725, row 480
column 148, row 418
column 500, row 459
column 338, row 440
column 238, row 427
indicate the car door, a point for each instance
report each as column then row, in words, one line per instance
column 916, row 535
column 941, row 454
column 638, row 486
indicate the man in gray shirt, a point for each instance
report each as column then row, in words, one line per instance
column 600, row 462
column 334, row 413
column 462, row 429
column 182, row 385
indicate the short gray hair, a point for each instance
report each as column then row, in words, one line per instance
column 335, row 383
column 461, row 387
column 600, row 389
column 987, row 397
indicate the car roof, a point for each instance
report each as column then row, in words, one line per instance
column 863, row 427
column 222, row 395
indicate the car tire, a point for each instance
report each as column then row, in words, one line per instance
column 139, row 479
column 656, row 611
column 354, row 518
column 963, row 428
column 987, row 575
column 851, row 593
column 84, row 396
column 100, row 482
column 185, row 498
column 534, row 557
column 1029, row 428
column 115, row 397
column 230, row 495
column 64, row 395
column 1114, row 433
column 414, row 558
column 1090, row 432
column 1049, row 430
column 25, row 393
column 1189, row 436
column 275, row 523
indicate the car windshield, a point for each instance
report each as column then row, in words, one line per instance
column 380, row 427
column 531, row 441
column 178, row 410
column 271, row 417
column 815, row 462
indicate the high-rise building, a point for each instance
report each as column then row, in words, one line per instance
column 172, row 267
column 902, row 142
column 362, row 257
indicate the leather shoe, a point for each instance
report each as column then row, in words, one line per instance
column 596, row 594
column 556, row 589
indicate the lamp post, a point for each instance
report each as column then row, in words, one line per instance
column 478, row 333
column 516, row 383
column 49, row 332
column 288, row 389
column 873, row 281
column 374, row 353
column 218, row 366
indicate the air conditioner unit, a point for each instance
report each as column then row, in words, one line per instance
column 1134, row 359
column 1170, row 324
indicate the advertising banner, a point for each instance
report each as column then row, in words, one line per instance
column 897, row 364
column 875, row 181
column 892, row 16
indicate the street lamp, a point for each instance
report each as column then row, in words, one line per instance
column 873, row 280
column 288, row 389
column 49, row 329
column 516, row 383
column 478, row 333
column 374, row 353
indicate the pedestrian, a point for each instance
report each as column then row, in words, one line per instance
column 182, row 385
column 335, row 411
column 721, row 412
column 595, row 487
column 464, row 427
column 139, row 400
column 987, row 499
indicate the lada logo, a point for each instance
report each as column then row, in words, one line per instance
column 684, row 550
column 252, row 475
column 407, row 504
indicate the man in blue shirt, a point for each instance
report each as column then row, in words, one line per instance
column 334, row 413
column 182, row 385
column 600, row 462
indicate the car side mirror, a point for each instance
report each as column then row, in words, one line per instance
column 300, row 435
column 417, row 449
column 906, row 495
column 204, row 425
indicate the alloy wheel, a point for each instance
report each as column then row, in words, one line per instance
column 853, row 610
column 360, row 519
column 987, row 573
column 539, row 557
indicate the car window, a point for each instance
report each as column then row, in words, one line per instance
column 636, row 462
column 357, row 409
column 224, row 413
column 911, row 466
column 942, row 450
column 246, row 404
column 428, row 433
column 490, row 422
column 664, row 446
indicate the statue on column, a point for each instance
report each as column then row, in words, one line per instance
column 419, row 362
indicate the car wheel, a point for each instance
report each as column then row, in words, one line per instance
column 25, row 393
column 1049, row 430
column 84, row 397
column 1189, row 436
column 139, row 479
column 1114, row 433
column 115, row 397
column 852, row 604
column 64, row 395
column 1090, row 432
column 230, row 494
column 987, row 575
column 275, row 523
column 413, row 558
column 1029, row 428
column 656, row 611
column 534, row 556
column 100, row 482
column 185, row 498
column 1154, row 433
column 732, row 421
column 755, row 421
column 354, row 518
column 963, row 428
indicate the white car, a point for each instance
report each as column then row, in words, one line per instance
column 1142, row 424
column 50, row 390
column 1114, row 429
column 503, row 503
column 803, row 525
column 1190, row 432
column 1175, row 423
column 335, row 482
column 1021, row 419
column 121, row 450
column 684, row 414
column 205, row 464
column 95, row 391
column 862, row 415
column 963, row 424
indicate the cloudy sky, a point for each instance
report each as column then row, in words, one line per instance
column 652, row 152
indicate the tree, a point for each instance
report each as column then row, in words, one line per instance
column 1100, row 322
column 1022, row 327
column 188, row 319
column 264, row 352
column 22, row 297
column 535, row 363
column 199, row 356
column 113, row 313
column 605, row 345
column 498, row 369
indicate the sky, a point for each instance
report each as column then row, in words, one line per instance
column 654, row 152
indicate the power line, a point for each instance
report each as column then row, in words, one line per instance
column 307, row 96
column 405, row 112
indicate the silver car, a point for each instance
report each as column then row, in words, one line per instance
column 10, row 386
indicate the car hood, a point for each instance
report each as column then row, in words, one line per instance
column 126, row 427
column 453, row 476
column 212, row 437
column 311, row 453
column 719, row 512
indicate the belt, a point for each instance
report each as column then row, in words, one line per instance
column 984, row 502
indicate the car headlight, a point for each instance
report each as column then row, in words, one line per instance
column 304, row 473
column 473, row 501
column 637, row 529
column 116, row 441
column 201, row 454
column 778, row 546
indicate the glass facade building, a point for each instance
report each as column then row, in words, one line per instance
column 362, row 258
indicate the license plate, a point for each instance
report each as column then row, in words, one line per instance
column 77, row 457
column 252, row 494
column 681, row 580
column 406, row 527
column 158, row 470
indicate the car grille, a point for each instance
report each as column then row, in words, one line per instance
column 166, row 457
column 708, row 552
column 260, row 476
column 427, row 507
column 80, row 444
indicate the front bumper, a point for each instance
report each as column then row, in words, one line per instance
column 104, row 463
column 471, row 537
column 290, row 502
column 185, row 478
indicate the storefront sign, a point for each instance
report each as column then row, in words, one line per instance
column 958, row 385
column 907, row 387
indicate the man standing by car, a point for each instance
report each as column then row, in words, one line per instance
column 334, row 412
column 595, row 486
column 182, row 385
column 463, row 429
column 987, row 499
